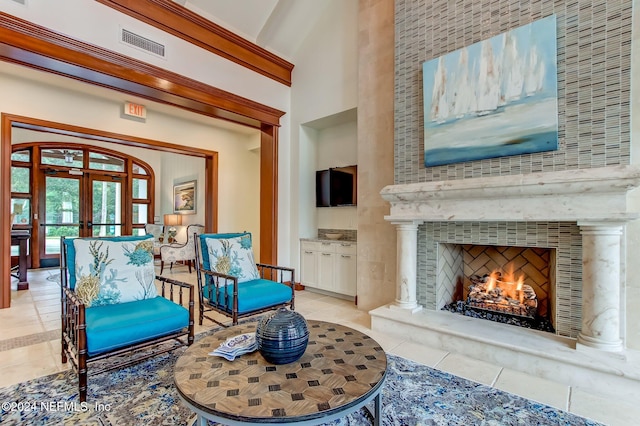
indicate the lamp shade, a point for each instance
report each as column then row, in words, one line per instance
column 172, row 219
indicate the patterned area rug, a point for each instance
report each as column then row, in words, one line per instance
column 413, row 394
column 54, row 277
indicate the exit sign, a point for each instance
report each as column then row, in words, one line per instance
column 135, row 110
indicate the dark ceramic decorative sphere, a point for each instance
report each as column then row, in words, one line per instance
column 282, row 336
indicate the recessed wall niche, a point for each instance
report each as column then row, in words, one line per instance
column 328, row 142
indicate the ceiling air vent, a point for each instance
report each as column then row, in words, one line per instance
column 142, row 43
column 22, row 2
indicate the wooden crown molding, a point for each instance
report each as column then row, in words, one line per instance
column 25, row 43
column 176, row 19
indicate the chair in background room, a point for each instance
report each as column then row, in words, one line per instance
column 181, row 252
column 155, row 229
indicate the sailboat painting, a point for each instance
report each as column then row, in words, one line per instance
column 494, row 98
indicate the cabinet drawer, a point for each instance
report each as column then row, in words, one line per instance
column 326, row 247
column 340, row 247
column 346, row 248
column 310, row 246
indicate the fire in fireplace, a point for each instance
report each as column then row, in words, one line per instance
column 504, row 294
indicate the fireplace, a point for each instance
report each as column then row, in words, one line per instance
column 581, row 214
column 576, row 217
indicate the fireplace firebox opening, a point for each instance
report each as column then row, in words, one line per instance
column 511, row 285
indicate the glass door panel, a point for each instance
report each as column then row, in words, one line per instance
column 106, row 205
column 62, row 157
column 61, row 215
column 99, row 161
column 140, row 213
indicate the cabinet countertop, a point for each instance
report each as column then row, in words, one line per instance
column 327, row 240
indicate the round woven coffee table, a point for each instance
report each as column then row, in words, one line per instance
column 341, row 371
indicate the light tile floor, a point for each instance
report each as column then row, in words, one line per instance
column 30, row 348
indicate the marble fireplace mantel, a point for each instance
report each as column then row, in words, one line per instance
column 597, row 200
column 598, row 194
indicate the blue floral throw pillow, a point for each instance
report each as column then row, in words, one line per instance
column 110, row 272
column 233, row 256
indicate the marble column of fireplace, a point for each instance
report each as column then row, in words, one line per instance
column 407, row 243
column 595, row 199
column 600, row 294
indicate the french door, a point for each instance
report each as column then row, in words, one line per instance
column 106, row 201
column 77, row 205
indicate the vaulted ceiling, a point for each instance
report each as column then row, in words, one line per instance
column 278, row 26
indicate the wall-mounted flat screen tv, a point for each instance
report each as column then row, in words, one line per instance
column 336, row 187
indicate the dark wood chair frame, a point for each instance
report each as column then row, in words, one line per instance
column 223, row 283
column 74, row 335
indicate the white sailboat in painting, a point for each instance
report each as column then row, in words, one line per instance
column 534, row 81
column 488, row 89
column 464, row 96
column 513, row 71
column 439, row 102
column 486, row 79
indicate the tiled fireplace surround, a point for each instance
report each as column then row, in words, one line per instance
column 579, row 213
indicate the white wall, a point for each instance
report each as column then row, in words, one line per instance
column 97, row 24
column 178, row 169
column 324, row 84
column 238, row 164
column 337, row 146
column 325, row 74
column 305, row 208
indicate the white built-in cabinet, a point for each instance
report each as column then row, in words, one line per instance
column 329, row 266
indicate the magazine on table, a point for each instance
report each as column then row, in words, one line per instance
column 235, row 346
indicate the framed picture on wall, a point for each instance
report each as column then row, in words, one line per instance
column 184, row 198
column 494, row 98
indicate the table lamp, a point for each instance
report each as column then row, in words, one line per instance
column 172, row 220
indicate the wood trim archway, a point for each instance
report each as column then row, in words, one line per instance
column 8, row 121
column 36, row 47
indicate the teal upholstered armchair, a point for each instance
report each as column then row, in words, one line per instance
column 230, row 282
column 114, row 304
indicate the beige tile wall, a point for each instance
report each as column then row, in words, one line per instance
column 376, row 237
